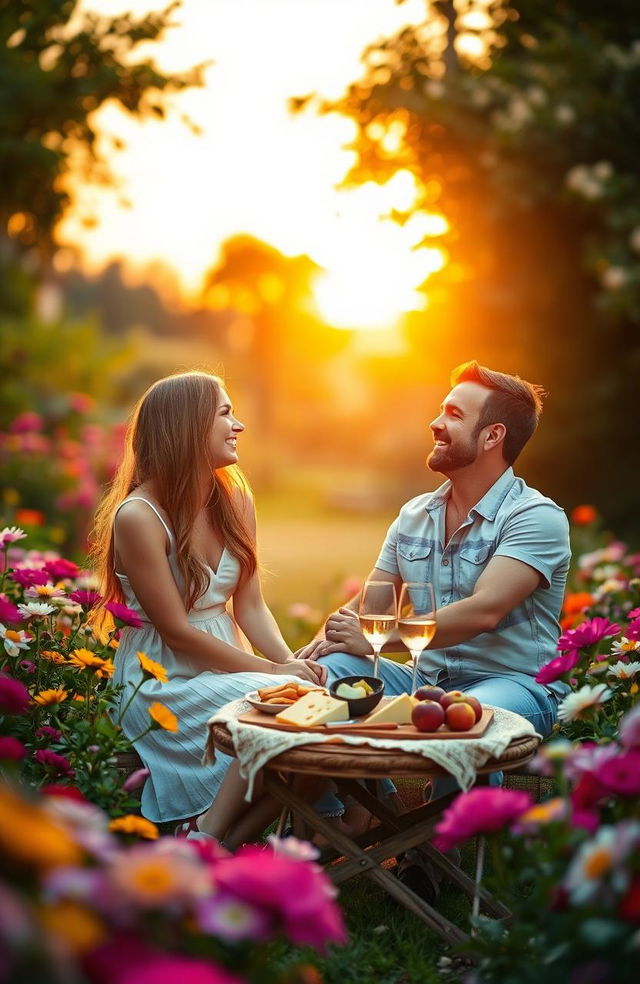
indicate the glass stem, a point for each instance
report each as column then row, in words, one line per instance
column 376, row 661
column 415, row 659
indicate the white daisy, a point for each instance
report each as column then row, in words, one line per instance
column 624, row 645
column 36, row 609
column 574, row 704
column 624, row 671
column 48, row 591
column 14, row 640
column 599, row 859
column 11, row 534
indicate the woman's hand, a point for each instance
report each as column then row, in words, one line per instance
column 311, row 672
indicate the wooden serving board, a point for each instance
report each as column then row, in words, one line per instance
column 402, row 732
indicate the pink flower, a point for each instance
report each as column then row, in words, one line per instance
column 63, row 792
column 14, row 696
column 9, row 612
column 26, row 577
column 297, row 894
column 11, row 534
column 621, row 774
column 26, row 422
column 635, row 612
column 169, row 968
column 124, row 615
column 11, row 750
column 630, row 728
column 587, row 634
column 58, row 764
column 632, row 631
column 61, row 568
column 557, row 667
column 229, row 918
column 587, row 758
column 136, row 779
column 88, row 599
column 46, row 731
column 28, row 666
column 480, row 811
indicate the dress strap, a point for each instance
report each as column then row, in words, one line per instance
column 132, row 498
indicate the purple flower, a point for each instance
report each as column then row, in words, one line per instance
column 136, row 779
column 630, row 728
column 557, row 667
column 88, row 599
column 51, row 760
column 27, row 577
column 587, row 634
column 14, row 696
column 480, row 811
column 46, row 731
column 124, row 615
column 8, row 611
column 28, row 666
column 11, row 750
column 60, row 569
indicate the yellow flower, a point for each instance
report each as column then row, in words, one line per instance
column 106, row 671
column 30, row 837
column 132, row 824
column 77, row 928
column 149, row 666
column 86, row 660
column 163, row 717
column 52, row 656
column 46, row 697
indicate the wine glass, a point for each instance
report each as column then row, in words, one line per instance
column 377, row 615
column 416, row 620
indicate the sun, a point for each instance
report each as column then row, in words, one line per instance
column 372, row 266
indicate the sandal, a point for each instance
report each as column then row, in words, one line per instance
column 189, row 830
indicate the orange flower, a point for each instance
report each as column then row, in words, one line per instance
column 46, row 697
column 583, row 515
column 30, row 837
column 85, row 659
column 573, row 609
column 73, row 925
column 29, row 517
column 150, row 667
column 132, row 824
column 52, row 656
column 106, row 671
column 163, row 717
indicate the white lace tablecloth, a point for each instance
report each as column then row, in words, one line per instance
column 255, row 746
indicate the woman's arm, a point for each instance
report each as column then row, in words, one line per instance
column 142, row 556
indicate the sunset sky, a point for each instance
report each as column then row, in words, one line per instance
column 255, row 168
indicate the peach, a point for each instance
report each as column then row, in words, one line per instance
column 450, row 697
column 429, row 693
column 460, row 716
column 428, row 715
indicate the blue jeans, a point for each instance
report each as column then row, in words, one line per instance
column 520, row 694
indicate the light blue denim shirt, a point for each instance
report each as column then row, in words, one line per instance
column 511, row 520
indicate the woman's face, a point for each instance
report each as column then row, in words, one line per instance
column 224, row 433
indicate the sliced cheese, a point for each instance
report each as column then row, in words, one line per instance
column 397, row 709
column 314, row 709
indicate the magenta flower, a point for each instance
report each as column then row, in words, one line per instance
column 60, row 569
column 26, row 422
column 28, row 666
column 27, row 577
column 629, row 731
column 635, row 612
column 169, row 968
column 46, row 731
column 14, row 696
column 557, row 667
column 229, row 918
column 124, row 615
column 88, row 599
column 621, row 774
column 480, row 811
column 632, row 631
column 11, row 750
column 9, row 612
column 51, row 760
column 587, row 634
column 136, row 779
column 297, row 894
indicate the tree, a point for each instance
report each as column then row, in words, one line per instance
column 528, row 144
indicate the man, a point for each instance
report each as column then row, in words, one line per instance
column 496, row 551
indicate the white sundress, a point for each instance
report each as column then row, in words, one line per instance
column 179, row 785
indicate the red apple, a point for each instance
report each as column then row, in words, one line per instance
column 428, row 715
column 460, row 716
column 451, row 697
column 429, row 693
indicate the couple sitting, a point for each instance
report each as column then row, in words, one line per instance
column 175, row 541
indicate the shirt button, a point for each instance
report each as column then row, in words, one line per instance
column 445, row 563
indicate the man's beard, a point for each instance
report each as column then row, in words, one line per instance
column 452, row 457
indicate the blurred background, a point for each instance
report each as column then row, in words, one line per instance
column 332, row 203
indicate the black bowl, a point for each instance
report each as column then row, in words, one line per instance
column 360, row 705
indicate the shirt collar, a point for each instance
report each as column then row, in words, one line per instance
column 490, row 501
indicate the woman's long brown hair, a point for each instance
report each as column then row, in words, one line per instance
column 166, row 442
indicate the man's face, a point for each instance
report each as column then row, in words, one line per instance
column 457, row 444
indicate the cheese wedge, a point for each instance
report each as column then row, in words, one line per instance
column 398, row 710
column 314, row 709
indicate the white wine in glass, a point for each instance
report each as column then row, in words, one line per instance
column 377, row 615
column 416, row 620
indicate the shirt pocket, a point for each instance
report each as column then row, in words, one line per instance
column 415, row 561
column 473, row 560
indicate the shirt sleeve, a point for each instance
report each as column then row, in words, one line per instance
column 388, row 556
column 539, row 537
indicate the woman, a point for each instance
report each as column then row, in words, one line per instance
column 175, row 541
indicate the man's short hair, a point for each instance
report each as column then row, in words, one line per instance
column 512, row 401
